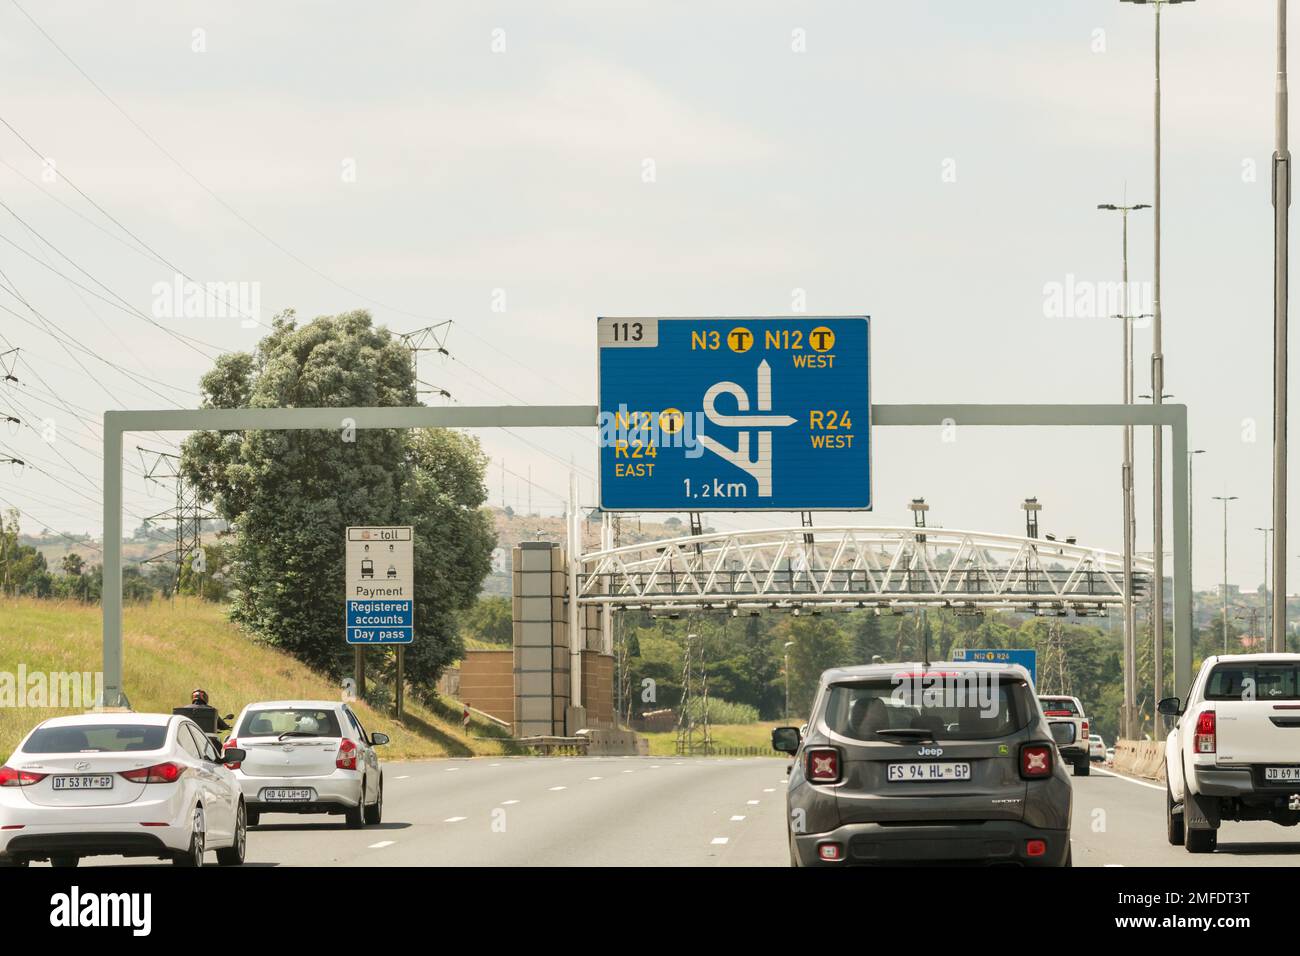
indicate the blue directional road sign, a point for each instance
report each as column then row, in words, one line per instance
column 379, row 602
column 1026, row 658
column 735, row 414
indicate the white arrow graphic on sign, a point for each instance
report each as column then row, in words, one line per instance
column 760, row 466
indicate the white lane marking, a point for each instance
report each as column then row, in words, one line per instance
column 508, row 803
column 451, row 769
column 1120, row 776
column 752, row 803
column 718, row 841
column 595, row 778
column 1113, row 865
column 559, row 788
column 453, row 819
column 737, row 819
column 494, row 765
column 769, row 789
column 404, row 776
column 380, row 845
column 629, row 771
column 654, row 766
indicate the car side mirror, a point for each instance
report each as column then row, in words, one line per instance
column 379, row 739
column 234, row 755
column 785, row 739
column 1169, row 707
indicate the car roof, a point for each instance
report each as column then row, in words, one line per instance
column 291, row 704
column 121, row 717
column 1257, row 658
column 859, row 671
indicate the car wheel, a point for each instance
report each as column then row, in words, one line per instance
column 1201, row 841
column 64, row 861
column 375, row 812
column 6, row 864
column 233, row 855
column 1173, row 821
column 1082, row 768
column 194, row 855
column 355, row 817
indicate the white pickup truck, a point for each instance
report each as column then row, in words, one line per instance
column 1234, row 752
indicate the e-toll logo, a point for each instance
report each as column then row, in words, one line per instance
column 735, row 414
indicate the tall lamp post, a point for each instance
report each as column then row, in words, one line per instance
column 1268, row 627
column 788, row 645
column 1281, row 214
column 1126, row 479
column 1157, row 391
column 1225, row 499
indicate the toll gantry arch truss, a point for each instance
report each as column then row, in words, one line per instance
column 848, row 566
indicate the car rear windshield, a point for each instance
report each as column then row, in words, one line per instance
column 1248, row 681
column 1058, row 706
column 960, row 706
column 96, row 738
column 294, row 721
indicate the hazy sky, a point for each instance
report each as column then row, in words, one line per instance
column 933, row 164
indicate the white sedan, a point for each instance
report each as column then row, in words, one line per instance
column 308, row 756
column 120, row 785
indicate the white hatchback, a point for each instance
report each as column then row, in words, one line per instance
column 119, row 784
column 308, row 756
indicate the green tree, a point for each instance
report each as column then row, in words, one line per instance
column 290, row 494
column 817, row 644
column 490, row 619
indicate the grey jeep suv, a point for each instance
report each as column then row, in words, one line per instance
column 913, row 763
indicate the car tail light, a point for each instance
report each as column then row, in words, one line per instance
column 1035, row 847
column 1057, row 713
column 1205, row 728
column 1085, row 730
column 9, row 777
column 346, row 758
column 822, row 764
column 830, row 852
column 232, row 742
column 159, row 773
column 1035, row 761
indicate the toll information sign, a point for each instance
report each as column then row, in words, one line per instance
column 1025, row 657
column 379, row 606
column 721, row 414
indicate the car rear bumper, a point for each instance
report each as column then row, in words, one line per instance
column 1240, row 782
column 41, row 842
column 986, row 842
column 332, row 793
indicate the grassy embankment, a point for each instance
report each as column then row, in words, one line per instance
column 171, row 649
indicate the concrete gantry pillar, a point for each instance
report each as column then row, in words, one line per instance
column 541, row 639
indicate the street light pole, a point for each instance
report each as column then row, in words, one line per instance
column 1225, row 500
column 1281, row 214
column 1157, row 393
column 1268, row 627
column 1126, row 483
column 788, row 645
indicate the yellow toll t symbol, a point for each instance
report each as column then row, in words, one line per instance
column 740, row 339
column 671, row 420
column 821, row 339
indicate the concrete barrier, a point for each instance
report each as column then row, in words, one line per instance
column 1141, row 758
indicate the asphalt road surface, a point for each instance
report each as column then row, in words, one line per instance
column 652, row 811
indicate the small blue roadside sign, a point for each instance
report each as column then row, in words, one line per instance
column 379, row 601
column 1025, row 657
column 735, row 414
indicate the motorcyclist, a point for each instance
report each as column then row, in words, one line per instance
column 204, row 714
